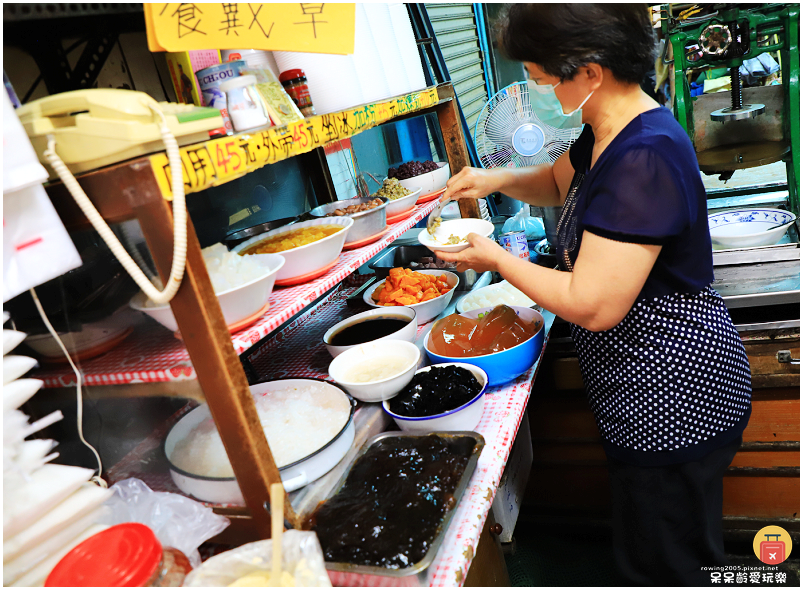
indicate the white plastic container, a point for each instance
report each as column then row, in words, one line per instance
column 244, row 105
column 427, row 310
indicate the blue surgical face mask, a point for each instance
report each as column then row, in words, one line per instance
column 548, row 109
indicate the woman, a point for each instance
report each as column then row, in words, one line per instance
column 666, row 373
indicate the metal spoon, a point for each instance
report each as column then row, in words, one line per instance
column 436, row 214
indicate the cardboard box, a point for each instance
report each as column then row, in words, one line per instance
column 182, row 68
column 511, row 490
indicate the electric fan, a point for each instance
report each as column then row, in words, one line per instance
column 509, row 134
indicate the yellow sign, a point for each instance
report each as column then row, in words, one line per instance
column 219, row 160
column 314, row 28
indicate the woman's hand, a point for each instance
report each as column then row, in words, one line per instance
column 482, row 255
column 471, row 183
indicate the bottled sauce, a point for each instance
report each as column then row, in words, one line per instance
column 126, row 554
column 296, row 85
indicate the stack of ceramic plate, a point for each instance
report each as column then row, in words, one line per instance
column 371, row 73
column 484, row 209
column 408, row 45
column 333, row 81
column 380, row 22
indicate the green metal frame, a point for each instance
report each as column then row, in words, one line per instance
column 767, row 19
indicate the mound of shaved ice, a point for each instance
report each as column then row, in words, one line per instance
column 296, row 420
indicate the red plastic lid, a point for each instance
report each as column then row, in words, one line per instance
column 291, row 75
column 122, row 555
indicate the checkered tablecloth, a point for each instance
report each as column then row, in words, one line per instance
column 152, row 353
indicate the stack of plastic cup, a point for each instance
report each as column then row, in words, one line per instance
column 408, row 45
column 332, row 79
column 380, row 21
column 371, row 74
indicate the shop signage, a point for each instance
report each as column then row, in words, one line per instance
column 301, row 26
column 219, row 160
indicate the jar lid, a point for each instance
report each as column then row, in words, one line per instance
column 122, row 555
column 291, row 75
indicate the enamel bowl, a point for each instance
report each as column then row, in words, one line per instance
column 368, row 355
column 407, row 332
column 506, row 365
column 465, row 417
column 427, row 310
column 748, row 228
column 237, row 304
column 310, row 258
column 403, row 204
column 430, row 182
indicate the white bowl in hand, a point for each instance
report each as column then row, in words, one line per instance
column 459, row 228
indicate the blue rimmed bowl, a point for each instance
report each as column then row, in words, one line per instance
column 506, row 365
column 748, row 228
column 465, row 417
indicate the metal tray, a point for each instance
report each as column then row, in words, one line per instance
column 403, row 255
column 439, row 537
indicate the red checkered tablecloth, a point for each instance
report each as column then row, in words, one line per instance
column 152, row 354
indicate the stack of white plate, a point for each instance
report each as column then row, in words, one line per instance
column 484, row 209
column 371, row 73
column 408, row 45
column 333, row 81
column 380, row 21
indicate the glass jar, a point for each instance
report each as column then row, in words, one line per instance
column 126, row 554
column 296, row 85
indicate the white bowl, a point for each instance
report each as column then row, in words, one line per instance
column 369, row 354
column 499, row 293
column 430, row 182
column 225, row 490
column 747, row 228
column 237, row 304
column 311, row 257
column 403, row 204
column 427, row 310
column 464, row 417
column 456, row 227
column 407, row 333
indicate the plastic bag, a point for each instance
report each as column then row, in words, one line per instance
column 522, row 221
column 301, row 557
column 177, row 521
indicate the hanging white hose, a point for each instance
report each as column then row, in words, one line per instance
column 178, row 213
column 98, row 478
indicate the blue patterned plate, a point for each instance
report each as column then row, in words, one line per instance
column 747, row 228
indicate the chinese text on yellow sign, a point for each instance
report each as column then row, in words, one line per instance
column 220, row 160
column 303, row 26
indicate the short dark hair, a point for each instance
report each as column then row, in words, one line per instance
column 560, row 38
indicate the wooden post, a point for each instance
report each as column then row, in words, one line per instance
column 208, row 342
column 454, row 144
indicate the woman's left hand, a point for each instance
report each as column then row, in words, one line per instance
column 482, row 255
